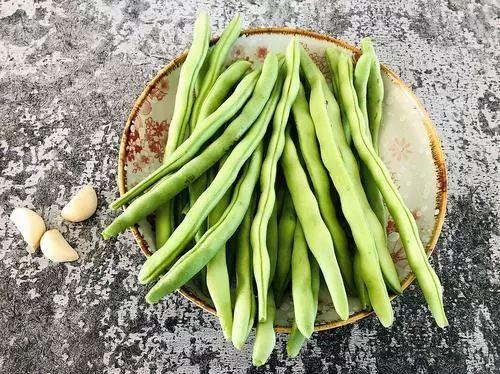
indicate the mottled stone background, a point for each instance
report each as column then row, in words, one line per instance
column 69, row 73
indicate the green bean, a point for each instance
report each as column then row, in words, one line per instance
column 303, row 299
column 164, row 224
column 322, row 185
column 375, row 94
column 244, row 299
column 316, row 232
column 183, row 104
column 361, row 78
column 296, row 339
column 166, row 255
column 342, row 167
column 286, row 229
column 203, row 132
column 217, row 275
column 212, row 241
column 364, row 299
column 174, row 183
column 335, row 86
column 214, row 64
column 265, row 337
column 188, row 75
column 223, row 86
column 408, row 230
column 261, row 261
column 315, row 280
column 272, row 240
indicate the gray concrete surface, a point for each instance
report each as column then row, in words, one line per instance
column 69, row 73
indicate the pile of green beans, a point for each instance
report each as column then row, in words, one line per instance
column 261, row 260
column 212, row 69
column 262, row 197
column 180, row 118
column 408, row 230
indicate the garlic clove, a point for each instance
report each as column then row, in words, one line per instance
column 56, row 248
column 81, row 206
column 30, row 225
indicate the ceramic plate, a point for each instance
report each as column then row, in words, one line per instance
column 409, row 147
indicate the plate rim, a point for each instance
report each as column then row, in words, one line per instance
column 435, row 143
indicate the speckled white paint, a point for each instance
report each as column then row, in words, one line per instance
column 69, row 74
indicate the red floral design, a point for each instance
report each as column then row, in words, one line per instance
column 320, row 61
column 139, row 163
column 133, row 142
column 156, row 132
column 160, row 89
column 395, row 180
column 391, row 225
column 237, row 52
column 400, row 149
column 145, row 108
column 398, row 256
column 261, row 53
column 417, row 214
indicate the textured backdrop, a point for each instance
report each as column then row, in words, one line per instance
column 69, row 73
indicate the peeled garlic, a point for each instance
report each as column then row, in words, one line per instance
column 30, row 225
column 56, row 248
column 81, row 206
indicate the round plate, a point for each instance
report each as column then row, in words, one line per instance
column 409, row 147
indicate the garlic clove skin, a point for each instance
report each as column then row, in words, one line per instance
column 81, row 206
column 56, row 248
column 30, row 225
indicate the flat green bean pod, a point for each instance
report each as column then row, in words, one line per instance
column 361, row 76
column 407, row 227
column 335, row 86
column 375, row 93
column 364, row 299
column 261, row 261
column 217, row 276
column 184, row 97
column 322, row 186
column 296, row 340
column 303, row 298
column 286, row 230
column 212, row 241
column 316, row 232
column 203, row 132
column 166, row 255
column 265, row 337
column 244, row 299
column 272, row 240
